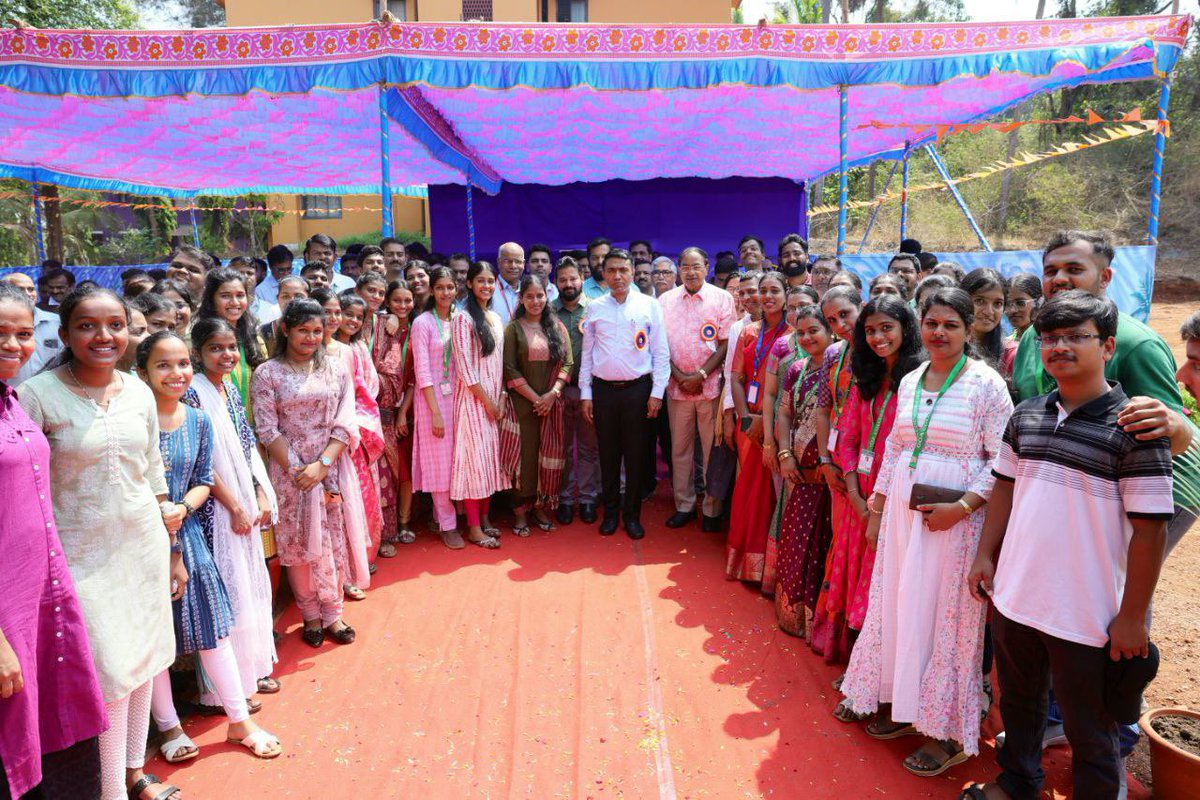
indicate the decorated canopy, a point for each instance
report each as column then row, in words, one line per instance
column 298, row 109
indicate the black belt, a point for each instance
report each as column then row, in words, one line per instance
column 622, row 384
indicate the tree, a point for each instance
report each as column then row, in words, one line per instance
column 796, row 12
column 88, row 14
column 185, row 13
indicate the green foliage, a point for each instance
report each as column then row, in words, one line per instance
column 183, row 13
column 132, row 246
column 373, row 238
column 795, row 12
column 71, row 13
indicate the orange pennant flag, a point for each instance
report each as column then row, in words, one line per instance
column 1135, row 115
column 919, row 129
column 1093, row 118
column 942, row 130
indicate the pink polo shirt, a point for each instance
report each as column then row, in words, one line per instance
column 696, row 325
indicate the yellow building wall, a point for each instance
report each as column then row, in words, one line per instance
column 408, row 215
column 695, row 12
column 245, row 13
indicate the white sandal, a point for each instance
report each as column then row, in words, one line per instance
column 260, row 743
column 170, row 749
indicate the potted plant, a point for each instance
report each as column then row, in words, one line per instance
column 1174, row 735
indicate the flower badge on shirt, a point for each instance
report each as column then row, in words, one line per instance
column 640, row 339
column 708, row 332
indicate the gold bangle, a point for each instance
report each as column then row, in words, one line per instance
column 784, row 454
column 962, row 501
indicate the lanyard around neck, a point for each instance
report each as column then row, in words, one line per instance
column 447, row 344
column 878, row 422
column 922, row 431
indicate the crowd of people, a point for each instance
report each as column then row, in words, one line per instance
column 864, row 450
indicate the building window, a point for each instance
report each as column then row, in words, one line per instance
column 572, row 11
column 321, row 206
column 477, row 9
column 398, row 9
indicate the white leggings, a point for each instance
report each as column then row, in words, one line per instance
column 123, row 745
column 221, row 667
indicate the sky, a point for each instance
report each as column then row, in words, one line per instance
column 981, row 10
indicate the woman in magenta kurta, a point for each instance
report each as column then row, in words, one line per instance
column 50, row 706
column 433, row 443
column 478, row 404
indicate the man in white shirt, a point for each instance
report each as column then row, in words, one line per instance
column 626, row 364
column 320, row 247
column 510, row 262
column 279, row 266
column 45, row 329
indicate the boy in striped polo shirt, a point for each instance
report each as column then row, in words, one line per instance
column 1081, row 507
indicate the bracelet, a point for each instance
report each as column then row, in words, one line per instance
column 962, row 501
column 876, row 511
column 823, row 460
column 702, row 373
column 188, row 509
column 785, row 454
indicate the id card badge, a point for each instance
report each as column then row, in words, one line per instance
column 752, row 392
column 447, row 388
column 866, row 460
column 833, row 437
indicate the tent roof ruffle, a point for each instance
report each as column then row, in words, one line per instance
column 296, row 109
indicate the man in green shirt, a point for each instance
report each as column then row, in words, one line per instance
column 581, row 474
column 1142, row 364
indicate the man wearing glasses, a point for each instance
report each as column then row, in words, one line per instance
column 823, row 271
column 511, row 262
column 907, row 268
column 662, row 275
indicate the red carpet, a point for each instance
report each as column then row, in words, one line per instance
column 566, row 665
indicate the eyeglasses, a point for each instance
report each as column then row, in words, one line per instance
column 1072, row 339
column 660, row 273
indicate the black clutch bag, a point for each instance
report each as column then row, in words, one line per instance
column 924, row 494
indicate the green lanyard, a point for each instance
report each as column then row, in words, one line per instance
column 796, row 400
column 887, row 399
column 404, row 351
column 837, row 407
column 922, row 431
column 447, row 345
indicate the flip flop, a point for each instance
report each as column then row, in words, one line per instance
column 269, row 685
column 407, row 536
column 387, row 550
column 262, row 744
column 171, row 747
column 844, row 713
column 487, row 543
column 147, row 780
column 521, row 530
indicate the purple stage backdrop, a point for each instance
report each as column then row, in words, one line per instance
column 672, row 213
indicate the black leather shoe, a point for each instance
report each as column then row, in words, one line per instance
column 634, row 528
column 709, row 524
column 587, row 512
column 565, row 514
column 680, row 518
column 648, row 492
column 609, row 526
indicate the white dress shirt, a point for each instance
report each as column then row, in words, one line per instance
column 45, row 335
column 612, row 333
column 735, row 333
column 263, row 311
column 268, row 290
column 505, row 300
column 339, row 282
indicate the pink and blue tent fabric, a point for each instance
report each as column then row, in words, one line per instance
column 298, row 109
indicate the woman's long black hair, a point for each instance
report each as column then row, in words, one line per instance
column 396, row 286
column 549, row 321
column 981, row 280
column 487, row 340
column 246, row 328
column 67, row 309
column 959, row 302
column 298, row 312
column 870, row 371
column 350, row 298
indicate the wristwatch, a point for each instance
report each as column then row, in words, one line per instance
column 326, row 461
column 703, row 374
column 824, row 460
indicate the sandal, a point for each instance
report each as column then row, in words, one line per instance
column 844, row 713
column 145, row 782
column 387, row 550
column 492, row 531
column 884, row 727
column 487, row 542
column 407, row 536
column 924, row 761
column 837, row 682
column 544, row 524
column 260, row 743
column 313, row 637
column 171, row 749
column 354, row 593
column 521, row 530
column 453, row 539
column 342, row 635
column 269, row 685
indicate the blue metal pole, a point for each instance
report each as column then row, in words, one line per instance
column 39, row 235
column 875, row 211
column 385, row 162
column 195, row 224
column 843, row 167
column 470, row 222
column 1160, row 143
column 904, row 196
column 940, row 166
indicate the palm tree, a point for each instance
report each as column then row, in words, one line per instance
column 797, row 12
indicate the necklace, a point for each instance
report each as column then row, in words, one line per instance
column 102, row 403
column 292, row 366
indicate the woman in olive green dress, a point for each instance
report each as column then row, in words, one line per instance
column 537, row 364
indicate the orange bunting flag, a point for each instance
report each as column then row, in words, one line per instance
column 1135, row 115
column 1093, row 118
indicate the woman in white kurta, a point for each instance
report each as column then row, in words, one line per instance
column 106, row 474
column 921, row 645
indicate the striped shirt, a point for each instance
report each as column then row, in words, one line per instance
column 1079, row 479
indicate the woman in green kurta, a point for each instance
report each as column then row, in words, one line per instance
column 537, row 364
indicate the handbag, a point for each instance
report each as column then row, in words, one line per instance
column 924, row 494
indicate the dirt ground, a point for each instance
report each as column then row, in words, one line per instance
column 1176, row 628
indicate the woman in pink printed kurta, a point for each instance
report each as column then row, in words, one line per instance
column 436, row 377
column 476, row 474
